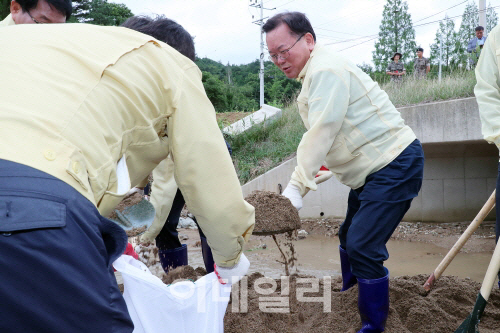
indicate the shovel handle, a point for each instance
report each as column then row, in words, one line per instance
column 491, row 273
column 488, row 206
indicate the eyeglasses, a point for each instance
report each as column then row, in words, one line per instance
column 283, row 54
column 34, row 19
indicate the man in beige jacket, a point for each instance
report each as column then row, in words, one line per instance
column 353, row 127
column 96, row 112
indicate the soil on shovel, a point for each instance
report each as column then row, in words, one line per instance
column 135, row 231
column 274, row 213
column 411, row 308
column 125, row 203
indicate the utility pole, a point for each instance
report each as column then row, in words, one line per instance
column 261, row 73
column 396, row 11
column 261, row 23
column 482, row 14
column 440, row 55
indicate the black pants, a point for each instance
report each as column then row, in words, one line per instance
column 168, row 238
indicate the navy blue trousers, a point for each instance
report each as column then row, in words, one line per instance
column 168, row 238
column 497, row 205
column 375, row 210
column 56, row 252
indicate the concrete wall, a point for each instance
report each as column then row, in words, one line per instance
column 459, row 174
column 266, row 114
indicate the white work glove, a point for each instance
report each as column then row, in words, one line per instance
column 323, row 176
column 292, row 192
column 135, row 190
column 233, row 274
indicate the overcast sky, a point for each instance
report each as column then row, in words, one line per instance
column 224, row 31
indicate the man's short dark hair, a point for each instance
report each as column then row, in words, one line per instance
column 420, row 49
column 64, row 7
column 479, row 28
column 296, row 21
column 165, row 30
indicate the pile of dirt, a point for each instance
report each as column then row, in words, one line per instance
column 411, row 309
column 274, row 213
column 183, row 273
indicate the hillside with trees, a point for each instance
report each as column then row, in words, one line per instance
column 236, row 87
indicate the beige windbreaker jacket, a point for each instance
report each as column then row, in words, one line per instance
column 7, row 21
column 352, row 126
column 487, row 89
column 77, row 99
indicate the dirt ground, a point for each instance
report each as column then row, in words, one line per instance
column 268, row 305
column 231, row 117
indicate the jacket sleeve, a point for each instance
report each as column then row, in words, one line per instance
column 204, row 172
column 328, row 101
column 487, row 90
column 162, row 197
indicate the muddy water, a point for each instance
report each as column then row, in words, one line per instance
column 318, row 256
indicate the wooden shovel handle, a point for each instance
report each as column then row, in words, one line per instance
column 491, row 273
column 488, row 206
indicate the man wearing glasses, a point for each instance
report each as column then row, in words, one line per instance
column 353, row 127
column 38, row 11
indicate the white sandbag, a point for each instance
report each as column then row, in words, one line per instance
column 183, row 307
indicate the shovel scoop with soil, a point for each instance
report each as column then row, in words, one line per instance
column 134, row 214
column 275, row 214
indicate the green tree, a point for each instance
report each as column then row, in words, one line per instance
column 446, row 31
column 491, row 18
column 81, row 10
column 278, row 89
column 470, row 20
column 215, row 90
column 103, row 12
column 396, row 34
column 100, row 12
column 4, row 8
column 367, row 68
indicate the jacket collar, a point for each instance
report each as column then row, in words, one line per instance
column 303, row 72
column 7, row 21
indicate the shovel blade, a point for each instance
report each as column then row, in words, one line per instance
column 471, row 323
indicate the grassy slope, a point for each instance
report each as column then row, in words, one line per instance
column 266, row 146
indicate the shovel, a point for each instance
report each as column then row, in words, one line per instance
column 488, row 206
column 139, row 215
column 471, row 323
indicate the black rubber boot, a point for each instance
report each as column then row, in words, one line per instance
column 173, row 258
column 348, row 279
column 373, row 303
